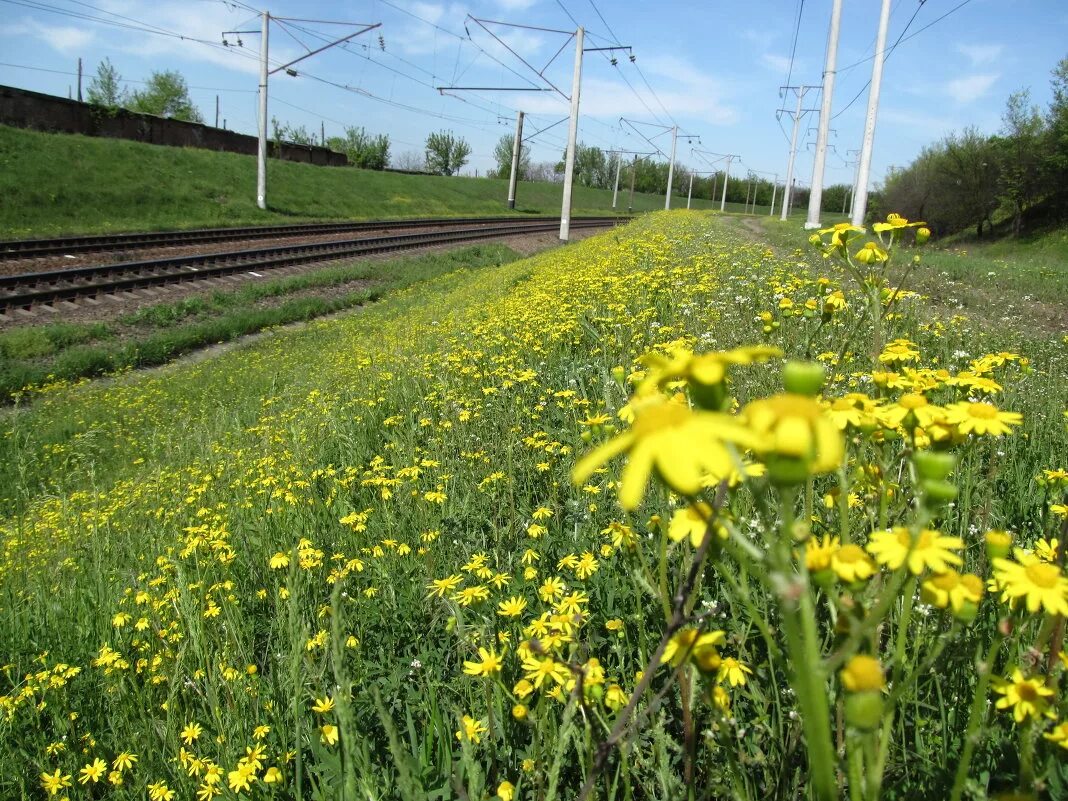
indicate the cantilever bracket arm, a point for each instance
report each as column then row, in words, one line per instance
column 342, row 40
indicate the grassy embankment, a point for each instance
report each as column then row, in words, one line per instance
column 223, row 569
column 54, row 183
column 33, row 355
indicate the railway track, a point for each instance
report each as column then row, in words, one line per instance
column 33, row 289
column 64, row 246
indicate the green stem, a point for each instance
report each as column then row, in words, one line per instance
column 971, row 735
column 1027, row 759
column 808, row 674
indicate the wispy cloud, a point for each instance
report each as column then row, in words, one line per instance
column 776, row 63
column 63, row 38
column 516, row 5
column 970, row 87
column 979, row 54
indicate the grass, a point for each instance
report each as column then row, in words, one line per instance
column 56, row 184
column 292, row 559
column 32, row 356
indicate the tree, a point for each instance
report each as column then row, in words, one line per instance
column 104, row 88
column 409, row 161
column 446, row 153
column 1020, row 150
column 363, row 150
column 502, row 154
column 165, row 95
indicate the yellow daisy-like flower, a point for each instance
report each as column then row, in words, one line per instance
column 472, row 730
column 855, row 409
column 862, row 673
column 513, row 607
column 733, row 672
column 851, row 564
column 54, row 782
column 323, row 706
column 952, row 589
column 894, row 223
column 871, row 253
column 913, row 408
column 688, row 642
column 506, row 791
column 328, row 734
column 705, row 369
column 1059, row 735
column 615, row 697
column 690, row 521
column 1026, row 697
column 681, row 445
column 538, row 671
column 981, row 418
column 92, row 772
column 841, row 233
column 928, row 550
column 1039, row 584
column 799, row 439
column 818, row 554
column 490, row 664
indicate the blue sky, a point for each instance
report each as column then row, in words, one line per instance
column 714, row 68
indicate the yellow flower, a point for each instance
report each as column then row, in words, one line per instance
column 506, row 791
column 913, row 408
column 871, row 253
column 472, row 730
column 328, row 734
column 1058, row 735
column 54, row 782
column 190, row 733
column 93, row 771
column 851, row 564
column 690, row 521
column 124, row 761
column 1040, row 584
column 680, row 444
column 689, row 642
column 952, row 589
column 324, row 705
column 538, row 670
column 440, row 587
column 862, row 673
column 615, row 697
column 799, row 439
column 513, row 607
column 733, row 671
column 981, row 418
column 840, row 234
column 818, row 554
column 551, row 588
column 241, row 778
column 1026, row 697
column 928, row 550
column 159, row 791
column 272, row 776
column 704, row 370
column 490, row 664
column 519, row 711
column 895, row 223
column 279, row 561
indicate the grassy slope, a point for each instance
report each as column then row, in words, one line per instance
column 58, row 183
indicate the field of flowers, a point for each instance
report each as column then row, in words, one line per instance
column 664, row 514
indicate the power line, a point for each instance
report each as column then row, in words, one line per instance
column 916, row 33
column 793, row 48
column 123, row 80
column 885, row 57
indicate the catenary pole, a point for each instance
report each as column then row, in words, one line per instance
column 689, row 193
column 517, row 148
column 572, row 139
column 793, row 157
column 633, row 175
column 856, row 173
column 671, row 165
column 815, row 198
column 774, row 189
column 79, row 79
column 615, row 186
column 726, row 177
column 261, row 152
column 216, row 111
column 860, row 194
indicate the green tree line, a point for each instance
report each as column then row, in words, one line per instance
column 1014, row 178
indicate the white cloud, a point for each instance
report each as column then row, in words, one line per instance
column 776, row 63
column 979, row 54
column 63, row 38
column 970, row 87
column 686, row 91
column 516, row 5
column 930, row 124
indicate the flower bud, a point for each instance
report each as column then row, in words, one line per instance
column 619, row 375
column 864, row 710
column 815, row 240
column 932, row 465
column 922, row 235
column 936, row 493
column 519, row 711
column 998, row 544
column 804, row 378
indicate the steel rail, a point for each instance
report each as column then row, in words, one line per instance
column 30, row 289
column 31, row 248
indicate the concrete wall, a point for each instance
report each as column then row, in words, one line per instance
column 20, row 108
